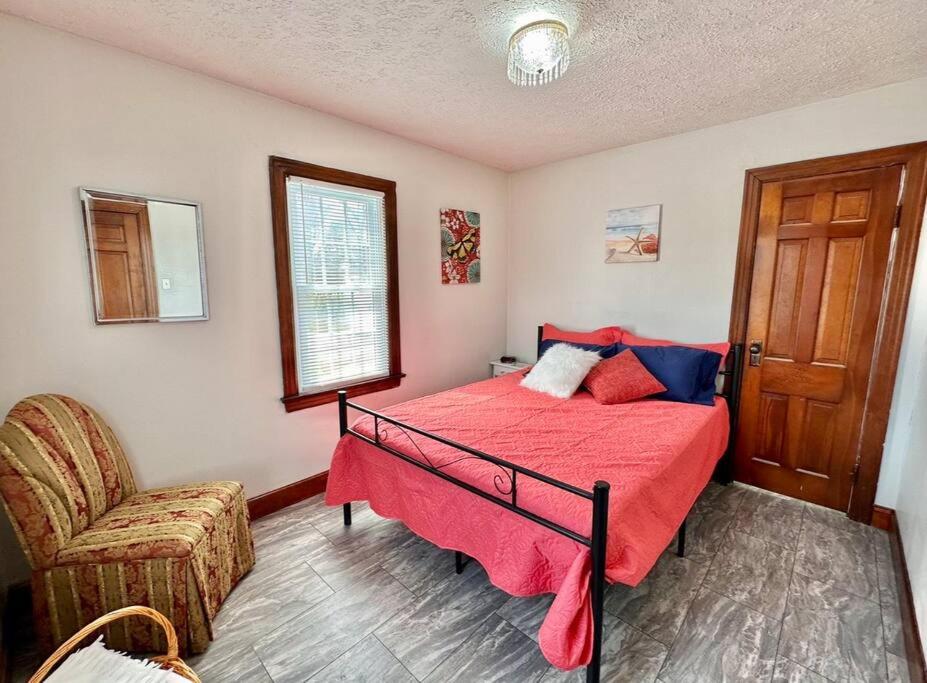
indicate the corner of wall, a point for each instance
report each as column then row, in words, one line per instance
column 509, row 222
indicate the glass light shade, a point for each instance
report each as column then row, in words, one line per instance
column 538, row 53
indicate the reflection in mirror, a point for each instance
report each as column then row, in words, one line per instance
column 146, row 257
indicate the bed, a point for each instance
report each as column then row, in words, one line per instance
column 548, row 495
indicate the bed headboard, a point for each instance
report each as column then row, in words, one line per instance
column 731, row 375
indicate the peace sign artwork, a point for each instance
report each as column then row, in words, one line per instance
column 460, row 247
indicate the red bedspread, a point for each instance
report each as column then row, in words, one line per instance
column 657, row 456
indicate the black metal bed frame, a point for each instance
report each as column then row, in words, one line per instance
column 506, row 484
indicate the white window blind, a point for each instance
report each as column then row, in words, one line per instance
column 338, row 262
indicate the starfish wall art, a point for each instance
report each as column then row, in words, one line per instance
column 633, row 234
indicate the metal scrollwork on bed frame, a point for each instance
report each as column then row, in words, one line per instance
column 499, row 479
column 505, row 482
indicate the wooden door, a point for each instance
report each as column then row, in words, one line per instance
column 121, row 240
column 822, row 251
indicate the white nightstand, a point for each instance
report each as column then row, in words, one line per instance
column 498, row 368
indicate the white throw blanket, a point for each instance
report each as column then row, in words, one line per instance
column 94, row 664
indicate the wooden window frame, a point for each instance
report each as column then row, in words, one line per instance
column 888, row 341
column 280, row 168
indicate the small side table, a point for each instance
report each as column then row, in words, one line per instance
column 498, row 368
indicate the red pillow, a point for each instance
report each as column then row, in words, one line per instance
column 621, row 379
column 632, row 340
column 604, row 336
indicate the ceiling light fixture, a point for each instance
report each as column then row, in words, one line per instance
column 539, row 53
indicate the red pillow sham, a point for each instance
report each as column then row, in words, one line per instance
column 633, row 340
column 621, row 379
column 604, row 336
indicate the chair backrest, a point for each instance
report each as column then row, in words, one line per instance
column 61, row 467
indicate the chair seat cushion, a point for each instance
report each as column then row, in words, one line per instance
column 166, row 522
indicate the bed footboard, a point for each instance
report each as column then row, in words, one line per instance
column 506, row 484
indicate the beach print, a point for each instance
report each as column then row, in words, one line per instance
column 633, row 235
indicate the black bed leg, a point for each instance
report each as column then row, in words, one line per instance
column 599, row 538
column 458, row 562
column 343, row 426
column 343, row 412
column 681, row 539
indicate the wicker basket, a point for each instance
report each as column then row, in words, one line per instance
column 166, row 661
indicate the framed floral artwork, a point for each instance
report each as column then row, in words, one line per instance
column 633, row 235
column 460, row 247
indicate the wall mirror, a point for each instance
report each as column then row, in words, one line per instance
column 147, row 262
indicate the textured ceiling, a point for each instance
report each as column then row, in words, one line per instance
column 434, row 71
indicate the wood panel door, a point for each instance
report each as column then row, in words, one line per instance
column 822, row 251
column 121, row 240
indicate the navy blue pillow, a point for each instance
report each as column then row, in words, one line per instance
column 604, row 351
column 688, row 374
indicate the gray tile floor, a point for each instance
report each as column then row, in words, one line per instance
column 771, row 589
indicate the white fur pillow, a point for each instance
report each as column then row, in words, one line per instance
column 561, row 370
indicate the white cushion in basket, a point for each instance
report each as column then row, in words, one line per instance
column 95, row 663
column 561, row 370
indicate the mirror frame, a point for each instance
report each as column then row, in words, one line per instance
column 85, row 194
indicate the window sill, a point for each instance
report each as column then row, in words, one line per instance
column 301, row 401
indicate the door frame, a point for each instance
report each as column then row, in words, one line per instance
column 894, row 307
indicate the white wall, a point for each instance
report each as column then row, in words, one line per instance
column 908, row 437
column 912, row 502
column 557, row 222
column 200, row 400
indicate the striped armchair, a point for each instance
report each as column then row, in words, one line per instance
column 96, row 544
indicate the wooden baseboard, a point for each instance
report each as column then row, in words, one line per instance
column 912, row 638
column 270, row 502
column 882, row 518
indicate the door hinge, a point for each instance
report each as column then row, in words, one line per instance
column 855, row 471
column 897, row 222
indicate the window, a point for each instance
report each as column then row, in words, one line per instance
column 337, row 289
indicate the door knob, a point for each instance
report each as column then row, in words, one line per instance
column 756, row 352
